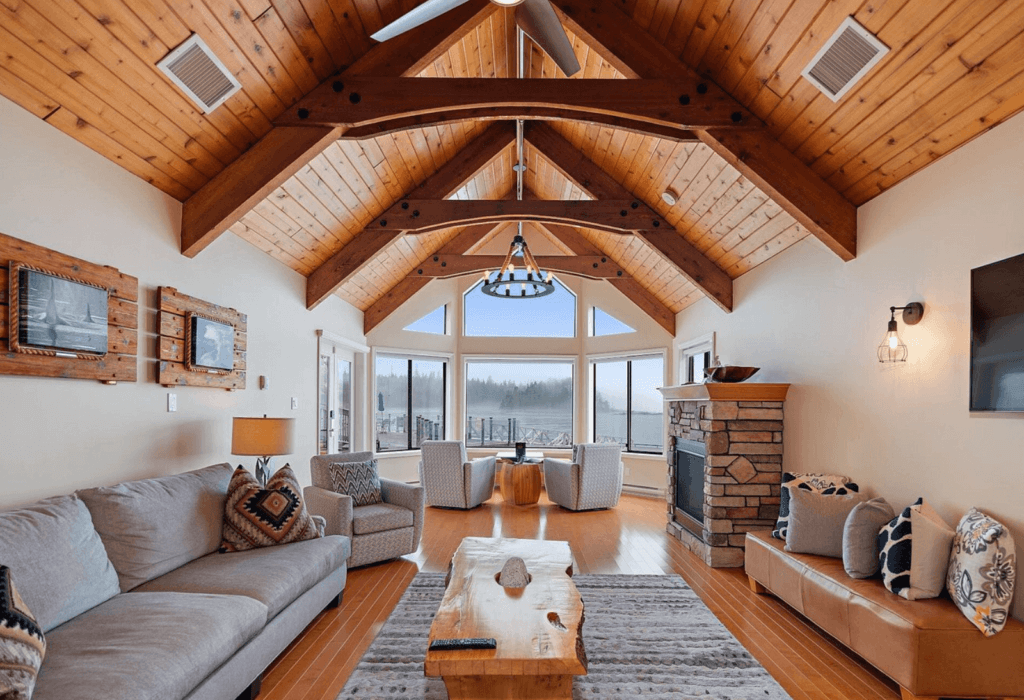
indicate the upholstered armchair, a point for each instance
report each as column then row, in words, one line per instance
column 378, row 532
column 593, row 479
column 451, row 480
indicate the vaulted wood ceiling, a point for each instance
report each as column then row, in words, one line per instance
column 956, row 69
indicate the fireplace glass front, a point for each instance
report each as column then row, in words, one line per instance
column 689, row 474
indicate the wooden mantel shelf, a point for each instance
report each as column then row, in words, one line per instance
column 744, row 391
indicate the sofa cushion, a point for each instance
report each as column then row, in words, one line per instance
column 914, row 552
column 153, row 526
column 256, row 516
column 275, row 576
column 358, row 480
column 379, row 517
column 57, row 558
column 860, row 537
column 982, row 571
column 816, row 522
column 146, row 646
column 22, row 644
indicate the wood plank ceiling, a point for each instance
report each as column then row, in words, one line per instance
column 956, row 69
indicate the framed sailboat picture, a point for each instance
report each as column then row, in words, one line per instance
column 210, row 344
column 53, row 314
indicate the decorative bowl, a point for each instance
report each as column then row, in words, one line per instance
column 729, row 375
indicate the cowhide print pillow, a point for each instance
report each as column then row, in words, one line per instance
column 914, row 552
column 982, row 571
column 826, row 484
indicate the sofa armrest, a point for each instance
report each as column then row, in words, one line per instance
column 561, row 481
column 479, row 480
column 335, row 508
column 409, row 496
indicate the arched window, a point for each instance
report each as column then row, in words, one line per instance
column 553, row 316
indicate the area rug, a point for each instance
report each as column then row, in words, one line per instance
column 646, row 636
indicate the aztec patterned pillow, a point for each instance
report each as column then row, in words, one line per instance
column 826, row 484
column 914, row 552
column 983, row 555
column 257, row 517
column 358, row 480
column 22, row 644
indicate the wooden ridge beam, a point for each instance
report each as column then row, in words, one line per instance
column 218, row 204
column 790, row 182
column 597, row 183
column 626, row 284
column 595, row 267
column 403, row 291
column 367, row 244
column 359, row 102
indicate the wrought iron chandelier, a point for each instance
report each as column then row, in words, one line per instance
column 523, row 280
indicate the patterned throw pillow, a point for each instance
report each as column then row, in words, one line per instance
column 358, row 480
column 982, row 571
column 22, row 645
column 914, row 552
column 826, row 484
column 257, row 517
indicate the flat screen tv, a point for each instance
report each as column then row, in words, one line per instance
column 997, row 336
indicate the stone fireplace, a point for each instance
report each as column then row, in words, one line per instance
column 724, row 465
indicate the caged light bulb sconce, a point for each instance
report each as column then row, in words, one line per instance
column 892, row 348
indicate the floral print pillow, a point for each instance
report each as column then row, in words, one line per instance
column 982, row 571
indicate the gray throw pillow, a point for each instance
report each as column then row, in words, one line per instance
column 860, row 537
column 359, row 480
column 816, row 522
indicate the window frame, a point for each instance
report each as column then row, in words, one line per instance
column 572, row 360
column 628, row 358
column 445, row 322
column 411, row 356
column 702, row 345
column 592, row 323
column 575, row 316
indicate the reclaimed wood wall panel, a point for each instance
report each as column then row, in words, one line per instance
column 173, row 309
column 120, row 364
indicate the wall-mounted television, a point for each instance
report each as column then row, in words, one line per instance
column 997, row 336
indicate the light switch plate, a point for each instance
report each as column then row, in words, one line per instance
column 172, row 403
column 295, row 403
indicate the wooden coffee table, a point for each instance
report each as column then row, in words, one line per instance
column 539, row 628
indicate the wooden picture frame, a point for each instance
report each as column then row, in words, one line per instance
column 174, row 363
column 197, row 358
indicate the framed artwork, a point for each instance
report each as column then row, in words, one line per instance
column 57, row 315
column 210, row 344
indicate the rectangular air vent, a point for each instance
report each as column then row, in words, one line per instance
column 844, row 59
column 195, row 69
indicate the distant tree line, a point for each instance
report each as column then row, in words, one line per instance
column 512, row 395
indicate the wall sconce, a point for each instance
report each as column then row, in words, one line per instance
column 892, row 348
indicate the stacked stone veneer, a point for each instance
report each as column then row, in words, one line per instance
column 742, row 472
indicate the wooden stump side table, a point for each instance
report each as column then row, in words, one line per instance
column 520, row 483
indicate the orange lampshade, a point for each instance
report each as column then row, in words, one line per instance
column 262, row 437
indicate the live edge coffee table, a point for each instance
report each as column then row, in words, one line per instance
column 539, row 628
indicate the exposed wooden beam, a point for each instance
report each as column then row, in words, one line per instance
column 367, row 244
column 356, row 102
column 283, row 151
column 626, row 284
column 755, row 153
column 597, row 183
column 403, row 291
column 597, row 267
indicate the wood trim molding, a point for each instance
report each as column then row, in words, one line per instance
column 755, row 153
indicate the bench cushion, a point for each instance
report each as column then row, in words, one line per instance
column 379, row 517
column 275, row 576
column 146, row 646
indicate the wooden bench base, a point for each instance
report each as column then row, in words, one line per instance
column 907, row 695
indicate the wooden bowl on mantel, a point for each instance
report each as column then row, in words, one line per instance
column 729, row 375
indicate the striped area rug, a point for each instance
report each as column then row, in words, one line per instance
column 646, row 636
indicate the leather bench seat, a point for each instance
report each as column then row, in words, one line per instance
column 927, row 646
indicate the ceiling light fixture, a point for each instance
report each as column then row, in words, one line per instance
column 507, row 3
column 892, row 348
column 532, row 282
column 670, row 197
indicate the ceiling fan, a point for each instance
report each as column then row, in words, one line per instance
column 535, row 17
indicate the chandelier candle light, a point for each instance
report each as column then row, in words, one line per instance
column 531, row 282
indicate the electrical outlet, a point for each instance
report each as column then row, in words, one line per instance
column 172, row 403
column 295, row 404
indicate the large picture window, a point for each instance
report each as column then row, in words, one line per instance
column 628, row 407
column 553, row 316
column 519, row 401
column 410, row 403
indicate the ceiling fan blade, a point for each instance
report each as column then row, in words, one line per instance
column 538, row 19
column 415, row 17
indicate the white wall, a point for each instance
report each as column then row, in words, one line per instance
column 807, row 318
column 57, row 435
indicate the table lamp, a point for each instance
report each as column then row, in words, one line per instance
column 264, row 438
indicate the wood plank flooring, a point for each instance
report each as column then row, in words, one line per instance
column 629, row 539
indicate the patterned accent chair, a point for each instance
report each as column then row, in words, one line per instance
column 380, row 531
column 451, row 479
column 593, row 479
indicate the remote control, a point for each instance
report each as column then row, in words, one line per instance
column 458, row 644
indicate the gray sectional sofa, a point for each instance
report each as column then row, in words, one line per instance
column 137, row 603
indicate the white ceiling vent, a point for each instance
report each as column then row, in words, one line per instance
column 195, row 69
column 844, row 59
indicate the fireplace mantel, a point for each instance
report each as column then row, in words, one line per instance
column 716, row 391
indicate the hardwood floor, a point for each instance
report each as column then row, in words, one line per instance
column 629, row 539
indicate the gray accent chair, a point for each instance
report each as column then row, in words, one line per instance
column 592, row 480
column 451, row 479
column 380, row 531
